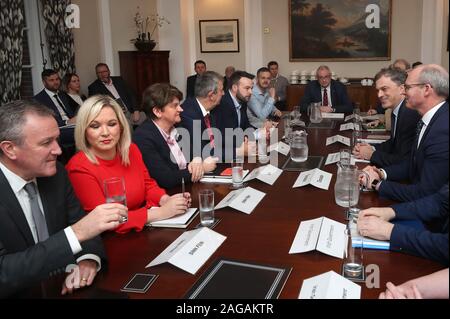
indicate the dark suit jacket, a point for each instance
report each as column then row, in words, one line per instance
column 398, row 148
column 190, row 86
column 432, row 245
column 339, row 97
column 427, row 167
column 24, row 263
column 127, row 96
column 70, row 105
column 227, row 118
column 193, row 122
column 156, row 154
column 66, row 137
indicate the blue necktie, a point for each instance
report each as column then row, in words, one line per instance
column 420, row 124
column 393, row 124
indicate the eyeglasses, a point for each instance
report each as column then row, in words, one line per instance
column 409, row 86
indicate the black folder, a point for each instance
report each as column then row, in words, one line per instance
column 232, row 279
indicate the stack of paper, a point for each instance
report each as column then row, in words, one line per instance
column 337, row 116
column 221, row 179
column 180, row 221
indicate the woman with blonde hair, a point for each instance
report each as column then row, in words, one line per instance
column 103, row 138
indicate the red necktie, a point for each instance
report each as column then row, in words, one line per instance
column 208, row 127
column 325, row 98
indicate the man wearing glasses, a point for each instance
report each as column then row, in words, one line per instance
column 427, row 168
column 332, row 94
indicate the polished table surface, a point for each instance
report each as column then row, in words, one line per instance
column 265, row 236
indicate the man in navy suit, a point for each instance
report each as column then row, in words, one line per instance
column 200, row 68
column 115, row 87
column 390, row 84
column 373, row 222
column 63, row 107
column 427, row 167
column 332, row 94
column 204, row 138
column 43, row 227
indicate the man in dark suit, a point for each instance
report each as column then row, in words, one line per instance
column 374, row 223
column 115, row 87
column 332, row 94
column 427, row 167
column 43, row 228
column 231, row 114
column 390, row 84
column 204, row 138
column 200, row 68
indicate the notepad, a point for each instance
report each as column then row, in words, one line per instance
column 179, row 221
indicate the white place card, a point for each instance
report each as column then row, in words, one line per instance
column 191, row 250
column 244, row 199
column 338, row 138
column 267, row 174
column 315, row 177
column 350, row 126
column 280, row 147
column 352, row 116
column 337, row 116
column 336, row 157
column 322, row 234
column 329, row 285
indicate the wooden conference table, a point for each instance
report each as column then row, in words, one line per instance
column 265, row 236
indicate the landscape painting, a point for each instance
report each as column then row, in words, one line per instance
column 219, row 35
column 340, row 30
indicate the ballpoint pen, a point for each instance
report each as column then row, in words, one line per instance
column 182, row 186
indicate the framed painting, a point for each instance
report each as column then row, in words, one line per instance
column 345, row 30
column 219, row 35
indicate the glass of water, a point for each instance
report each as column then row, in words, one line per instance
column 206, row 205
column 299, row 146
column 353, row 260
column 237, row 173
column 114, row 188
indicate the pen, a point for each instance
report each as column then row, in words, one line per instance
column 182, row 186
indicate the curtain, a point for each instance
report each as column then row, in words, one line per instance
column 11, row 36
column 59, row 37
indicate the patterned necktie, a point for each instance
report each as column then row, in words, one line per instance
column 63, row 111
column 208, row 127
column 420, row 124
column 325, row 97
column 38, row 216
column 393, row 124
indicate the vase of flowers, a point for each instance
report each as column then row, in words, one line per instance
column 145, row 28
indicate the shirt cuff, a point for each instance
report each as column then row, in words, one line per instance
column 384, row 174
column 92, row 257
column 73, row 240
column 373, row 148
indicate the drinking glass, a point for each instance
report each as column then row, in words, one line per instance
column 353, row 261
column 206, row 206
column 237, row 173
column 114, row 188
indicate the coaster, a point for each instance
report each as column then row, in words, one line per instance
column 216, row 221
column 323, row 125
column 311, row 163
column 360, row 278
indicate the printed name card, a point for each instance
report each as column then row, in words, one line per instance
column 322, row 234
column 280, row 147
column 338, row 138
column 244, row 199
column 315, row 177
column 267, row 174
column 353, row 116
column 191, row 250
column 350, row 126
column 329, row 285
column 337, row 116
column 336, row 157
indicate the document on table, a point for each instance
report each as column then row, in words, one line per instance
column 179, row 221
column 221, row 179
column 267, row 174
column 338, row 138
column 244, row 199
column 329, row 285
column 322, row 234
column 280, row 147
column 358, row 240
column 352, row 116
column 337, row 116
column 315, row 177
column 190, row 250
column 370, row 141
